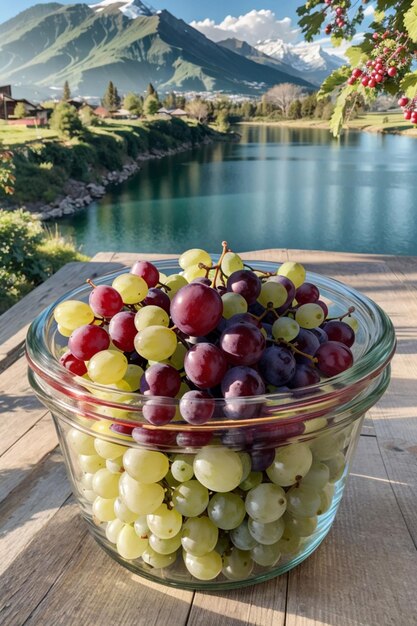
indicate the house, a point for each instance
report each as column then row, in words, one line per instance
column 163, row 112
column 102, row 112
column 34, row 113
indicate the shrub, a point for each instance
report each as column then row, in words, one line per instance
column 65, row 121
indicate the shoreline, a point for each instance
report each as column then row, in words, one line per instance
column 358, row 124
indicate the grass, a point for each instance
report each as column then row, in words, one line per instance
column 14, row 136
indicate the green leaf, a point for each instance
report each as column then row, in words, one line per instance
column 336, row 79
column 409, row 85
column 410, row 21
column 337, row 119
column 356, row 55
column 378, row 16
column 336, row 41
column 311, row 24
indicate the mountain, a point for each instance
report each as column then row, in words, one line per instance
column 125, row 41
column 309, row 59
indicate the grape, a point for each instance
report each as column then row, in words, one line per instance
column 107, row 367
column 326, row 446
column 294, row 271
column 333, row 358
column 192, row 272
column 108, row 449
column 122, row 330
column 129, row 545
column 241, row 382
column 194, row 256
column 103, row 509
column 336, row 331
column 106, row 484
column 190, row 498
column 241, row 537
column 65, row 332
column 266, row 503
column 81, row 442
column 309, row 315
column 254, row 479
column 133, row 376
column 289, row 543
column 105, row 301
column 165, row 546
column 91, row 463
column 317, row 476
column 164, row 522
column 182, row 467
column 151, row 316
column 140, row 498
column 145, row 466
column 72, row 364
column 336, row 466
column 158, row 561
column 159, row 412
column 305, row 375
column 300, row 526
column 157, row 297
column 195, row 439
column 177, row 359
column 266, row 555
column 290, row 464
column 237, row 565
column 320, row 334
column 197, row 407
column 175, row 282
column 226, row 510
column 196, row 309
column 160, row 380
column 205, row 365
column 123, row 513
column 147, row 271
column 289, row 288
column 141, row 526
column 272, row 293
column 326, row 499
column 218, row 469
column 245, row 283
column 112, row 530
column 71, row 314
column 246, row 464
column 307, row 342
column 303, row 501
column 266, row 534
column 231, row 262
column 154, row 438
column 233, row 304
column 156, row 343
column 285, row 328
column 85, row 341
column 199, row 536
column 277, row 365
column 261, row 459
column 307, row 292
column 242, row 344
column 270, row 436
column 352, row 322
column 204, row 567
column 133, row 289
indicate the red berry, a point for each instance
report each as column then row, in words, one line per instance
column 375, row 36
column 351, row 80
column 372, row 83
column 379, row 67
column 339, row 11
column 407, row 115
column 365, row 81
column 392, row 72
column 379, row 78
column 403, row 101
column 357, row 73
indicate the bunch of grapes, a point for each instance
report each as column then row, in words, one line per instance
column 339, row 16
column 409, row 107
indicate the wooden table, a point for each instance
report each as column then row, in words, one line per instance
column 365, row 572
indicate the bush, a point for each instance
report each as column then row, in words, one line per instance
column 65, row 121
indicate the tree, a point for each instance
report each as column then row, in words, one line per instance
column 133, row 103
column 282, row 95
column 222, row 120
column 151, row 105
column 87, row 116
column 20, row 110
column 198, row 109
column 248, row 110
column 111, row 98
column 308, row 105
column 66, row 94
column 381, row 62
column 65, row 121
column 151, row 91
column 294, row 111
column 170, row 101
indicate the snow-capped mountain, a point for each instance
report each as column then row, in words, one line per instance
column 129, row 8
column 308, row 58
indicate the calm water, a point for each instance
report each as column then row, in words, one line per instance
column 278, row 187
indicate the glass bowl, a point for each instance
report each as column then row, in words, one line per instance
column 255, row 490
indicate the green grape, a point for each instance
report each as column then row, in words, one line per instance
column 291, row 463
column 107, row 449
column 226, row 510
column 267, row 556
column 145, row 466
column 139, row 498
column 266, row 503
column 86, row 487
column 204, row 567
column 151, row 315
column 123, row 513
column 65, row 332
column 165, row 546
column 246, row 465
column 115, row 466
column 326, row 499
column 289, row 543
column 182, row 467
column 132, row 288
column 107, row 367
column 300, row 526
column 158, row 561
column 237, row 565
column 336, row 466
column 177, row 359
column 285, row 328
column 106, row 484
column 113, row 529
column 303, row 501
column 172, row 482
column 82, row 443
column 174, row 282
column 129, row 545
column 218, row 469
column 294, row 271
column 266, row 534
column 317, row 476
column 241, row 537
column 253, row 480
column 164, row 522
column 133, row 376
column 222, row 544
column 91, row 463
column 326, row 446
column 192, row 272
column 156, row 343
column 231, row 262
column 274, row 293
column 72, row 314
column 199, row 536
column 190, row 498
column 352, row 322
column 309, row 315
column 183, row 389
column 233, row 303
column 87, row 480
column 141, row 526
column 103, row 509
column 194, row 256
column 312, row 425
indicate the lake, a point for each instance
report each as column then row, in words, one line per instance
column 277, row 188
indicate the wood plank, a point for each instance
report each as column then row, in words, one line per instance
column 361, row 574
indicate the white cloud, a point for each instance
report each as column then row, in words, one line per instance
column 370, row 10
column 339, row 51
column 252, row 27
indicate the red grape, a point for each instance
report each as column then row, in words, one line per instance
column 339, row 331
column 147, row 271
column 205, row 365
column 122, row 330
column 333, row 358
column 246, row 283
column 86, row 341
column 160, row 379
column 196, row 309
column 242, row 344
column 197, row 407
column 105, row 301
column 72, row 364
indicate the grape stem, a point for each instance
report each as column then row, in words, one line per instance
column 349, row 312
column 225, row 249
column 167, row 287
column 90, row 282
column 292, row 347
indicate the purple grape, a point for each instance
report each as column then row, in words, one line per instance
column 203, row 280
column 304, row 375
column 261, row 459
column 246, row 283
column 339, row 331
column 197, row 407
column 122, row 429
column 160, row 379
column 205, row 365
column 242, row 344
column 307, row 292
column 196, row 439
column 324, row 307
column 157, row 297
column 105, row 301
column 237, row 438
column 307, row 342
column 157, row 413
column 196, row 309
column 158, row 439
column 320, row 334
column 242, row 318
column 256, row 309
column 333, row 358
column 277, row 365
column 273, row 435
column 241, row 382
